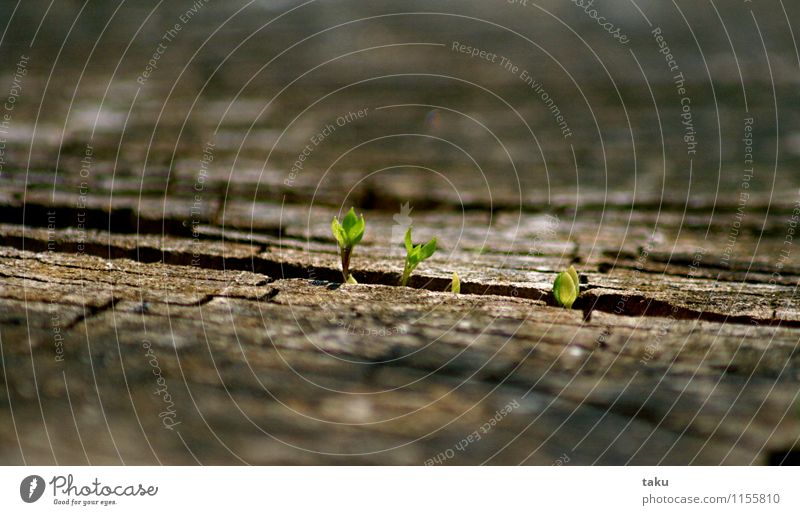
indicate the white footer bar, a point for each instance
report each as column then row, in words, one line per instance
column 385, row 490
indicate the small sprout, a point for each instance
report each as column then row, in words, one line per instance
column 566, row 287
column 351, row 280
column 415, row 254
column 455, row 284
column 348, row 234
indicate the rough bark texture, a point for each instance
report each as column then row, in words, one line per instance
column 268, row 359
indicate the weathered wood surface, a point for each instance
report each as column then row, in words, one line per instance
column 660, row 365
column 174, row 297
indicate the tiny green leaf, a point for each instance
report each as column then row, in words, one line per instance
column 573, row 274
column 349, row 220
column 351, row 280
column 353, row 227
column 427, row 250
column 409, row 245
column 455, row 284
column 564, row 290
column 338, row 232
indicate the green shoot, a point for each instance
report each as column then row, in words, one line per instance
column 455, row 284
column 348, row 234
column 415, row 254
column 566, row 287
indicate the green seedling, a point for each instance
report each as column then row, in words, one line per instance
column 348, row 234
column 566, row 287
column 455, row 284
column 415, row 254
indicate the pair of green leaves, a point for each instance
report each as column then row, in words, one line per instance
column 566, row 287
column 415, row 254
column 349, row 232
